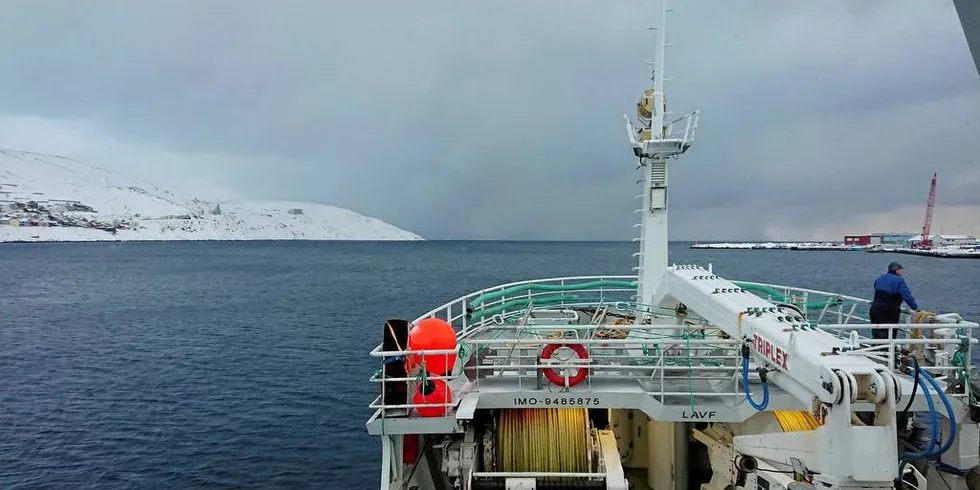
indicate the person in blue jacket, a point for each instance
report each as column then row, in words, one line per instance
column 890, row 291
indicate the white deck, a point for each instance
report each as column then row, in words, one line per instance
column 670, row 371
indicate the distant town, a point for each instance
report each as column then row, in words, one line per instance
column 911, row 240
column 54, row 213
column 938, row 245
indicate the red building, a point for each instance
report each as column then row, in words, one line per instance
column 857, row 240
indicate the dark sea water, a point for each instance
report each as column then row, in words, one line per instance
column 244, row 365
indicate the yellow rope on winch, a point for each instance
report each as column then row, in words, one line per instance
column 795, row 420
column 543, row 439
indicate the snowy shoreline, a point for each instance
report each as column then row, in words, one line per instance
column 809, row 246
column 48, row 198
column 199, row 240
column 943, row 252
column 197, row 230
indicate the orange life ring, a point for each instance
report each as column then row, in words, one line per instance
column 558, row 379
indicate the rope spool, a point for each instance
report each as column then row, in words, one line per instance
column 795, row 420
column 543, row 440
column 553, row 375
column 921, row 316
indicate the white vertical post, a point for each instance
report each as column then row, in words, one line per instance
column 653, row 258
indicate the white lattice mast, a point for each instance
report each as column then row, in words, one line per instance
column 653, row 145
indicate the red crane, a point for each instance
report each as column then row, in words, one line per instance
column 927, row 224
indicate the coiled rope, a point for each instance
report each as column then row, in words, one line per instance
column 611, row 333
column 919, row 317
column 543, row 439
column 795, row 420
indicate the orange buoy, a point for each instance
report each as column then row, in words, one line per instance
column 432, row 392
column 432, row 334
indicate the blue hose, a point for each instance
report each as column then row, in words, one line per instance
column 745, row 383
column 931, row 451
column 933, row 423
column 949, row 414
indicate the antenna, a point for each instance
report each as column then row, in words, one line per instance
column 653, row 145
column 657, row 73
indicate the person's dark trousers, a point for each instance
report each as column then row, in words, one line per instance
column 878, row 317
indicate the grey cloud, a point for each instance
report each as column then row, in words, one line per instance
column 503, row 119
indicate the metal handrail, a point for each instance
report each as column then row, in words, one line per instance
column 521, row 366
column 448, row 307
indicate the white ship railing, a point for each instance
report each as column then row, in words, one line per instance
column 456, row 314
column 675, row 136
column 677, row 355
column 660, row 357
column 687, row 132
column 455, row 311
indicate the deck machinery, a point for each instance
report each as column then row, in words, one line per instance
column 673, row 378
column 662, row 403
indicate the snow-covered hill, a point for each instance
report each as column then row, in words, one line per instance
column 52, row 198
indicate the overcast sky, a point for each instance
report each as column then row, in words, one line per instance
column 503, row 119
